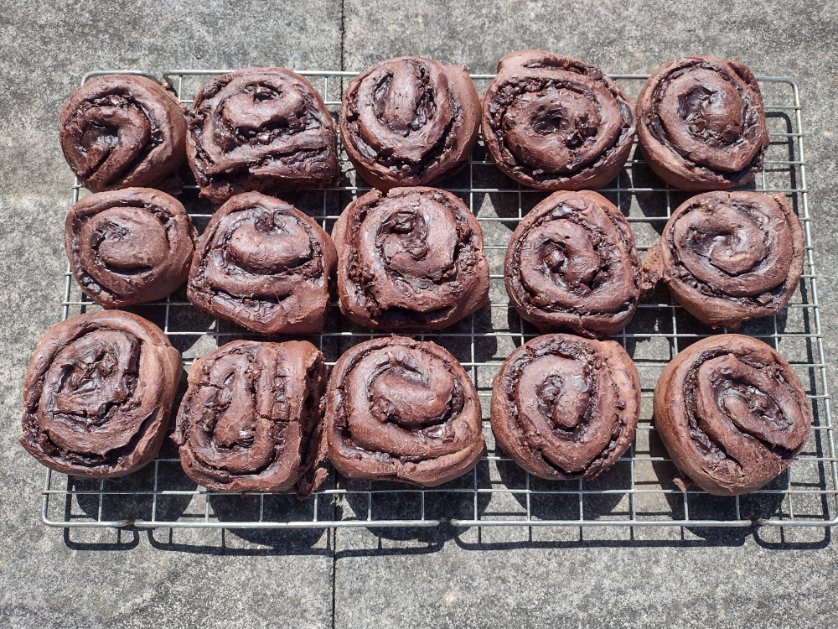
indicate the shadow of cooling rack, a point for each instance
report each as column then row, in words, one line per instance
column 637, row 492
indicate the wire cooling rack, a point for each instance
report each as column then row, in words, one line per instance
column 637, row 491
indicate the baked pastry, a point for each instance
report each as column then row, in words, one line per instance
column 701, row 123
column 732, row 413
column 555, row 123
column 264, row 265
column 729, row 256
column 129, row 246
column 410, row 259
column 260, row 129
column 566, row 407
column 409, row 121
column 251, row 418
column 571, row 264
column 403, row 410
column 122, row 130
column 97, row 394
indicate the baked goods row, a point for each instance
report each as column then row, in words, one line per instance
column 412, row 259
column 549, row 121
column 261, row 416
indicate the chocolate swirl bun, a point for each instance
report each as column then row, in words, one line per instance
column 729, row 256
column 701, row 123
column 250, row 420
column 571, row 264
column 264, row 265
column 409, row 121
column 122, row 130
column 404, row 410
column 129, row 246
column 566, row 407
column 554, row 123
column 260, row 129
column 97, row 394
column 732, row 414
column 410, row 259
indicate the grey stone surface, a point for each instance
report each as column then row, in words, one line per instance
column 497, row 576
column 659, row 578
column 92, row 579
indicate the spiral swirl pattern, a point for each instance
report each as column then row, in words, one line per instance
column 566, row 407
column 410, row 259
column 404, row 410
column 732, row 413
column 571, row 264
column 260, row 129
column 701, row 123
column 729, row 256
column 409, row 121
column 554, row 123
column 98, row 393
column 263, row 265
column 122, row 130
column 250, row 419
column 129, row 246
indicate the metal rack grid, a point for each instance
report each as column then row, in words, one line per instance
column 637, row 492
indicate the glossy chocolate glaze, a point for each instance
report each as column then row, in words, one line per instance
column 263, row 265
column 571, row 264
column 732, row 413
column 251, row 418
column 404, row 410
column 701, row 123
column 260, row 129
column 410, row 259
column 555, row 123
column 98, row 393
column 566, row 407
column 129, row 246
column 409, row 121
column 728, row 257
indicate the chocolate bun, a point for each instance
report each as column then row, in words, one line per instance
column 409, row 121
column 410, row 259
column 403, row 410
column 122, row 130
column 98, row 393
column 555, row 123
column 264, row 265
column 566, row 407
column 129, row 246
column 732, row 413
column 729, row 256
column 251, row 418
column 701, row 123
column 571, row 264
column 260, row 129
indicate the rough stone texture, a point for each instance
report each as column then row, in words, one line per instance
column 86, row 578
column 502, row 577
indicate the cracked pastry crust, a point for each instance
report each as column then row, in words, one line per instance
column 98, row 393
column 732, row 414
column 571, row 264
column 566, row 407
column 251, row 418
column 555, row 123
column 701, row 123
column 129, row 246
column 410, row 259
column 409, row 121
column 728, row 257
column 122, row 130
column 403, row 410
column 260, row 129
column 264, row 265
